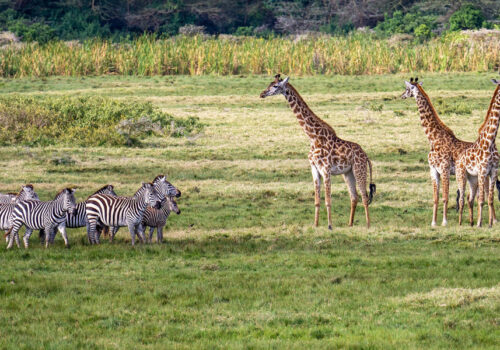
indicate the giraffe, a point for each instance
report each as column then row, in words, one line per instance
column 329, row 155
column 480, row 162
column 445, row 151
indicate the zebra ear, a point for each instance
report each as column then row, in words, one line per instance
column 111, row 187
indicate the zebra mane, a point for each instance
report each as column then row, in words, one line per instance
column 60, row 193
column 141, row 189
column 102, row 189
column 159, row 177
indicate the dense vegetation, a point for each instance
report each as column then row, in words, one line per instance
column 351, row 55
column 242, row 266
column 37, row 20
column 85, row 121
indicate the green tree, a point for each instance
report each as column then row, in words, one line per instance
column 467, row 17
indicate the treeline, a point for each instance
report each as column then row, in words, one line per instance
column 43, row 21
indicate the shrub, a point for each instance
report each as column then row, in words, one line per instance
column 407, row 23
column 423, row 32
column 85, row 121
column 37, row 31
column 467, row 17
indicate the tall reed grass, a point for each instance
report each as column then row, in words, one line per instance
column 352, row 55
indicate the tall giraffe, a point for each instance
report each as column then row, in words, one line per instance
column 445, row 146
column 480, row 161
column 329, row 155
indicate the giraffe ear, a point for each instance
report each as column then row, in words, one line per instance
column 285, row 81
column 494, row 81
column 408, row 84
column 420, row 83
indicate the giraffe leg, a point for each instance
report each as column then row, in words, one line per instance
column 491, row 195
column 435, row 184
column 480, row 199
column 328, row 198
column 472, row 180
column 350, row 181
column 445, row 177
column 317, row 193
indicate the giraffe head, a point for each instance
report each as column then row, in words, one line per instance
column 276, row 87
column 411, row 88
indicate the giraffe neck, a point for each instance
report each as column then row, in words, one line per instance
column 434, row 128
column 312, row 125
column 489, row 129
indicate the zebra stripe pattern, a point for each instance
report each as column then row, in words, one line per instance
column 157, row 218
column 163, row 187
column 27, row 192
column 7, row 209
column 121, row 211
column 36, row 215
column 79, row 218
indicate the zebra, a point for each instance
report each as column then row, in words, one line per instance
column 27, row 192
column 157, row 218
column 36, row 215
column 6, row 209
column 79, row 217
column 6, row 198
column 120, row 211
column 164, row 188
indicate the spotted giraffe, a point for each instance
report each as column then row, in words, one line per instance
column 479, row 163
column 329, row 154
column 445, row 150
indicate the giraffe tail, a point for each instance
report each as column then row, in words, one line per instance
column 498, row 188
column 373, row 187
column 458, row 198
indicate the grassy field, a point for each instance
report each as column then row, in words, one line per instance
column 243, row 266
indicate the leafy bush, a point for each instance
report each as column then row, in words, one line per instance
column 32, row 32
column 244, row 31
column 407, row 23
column 467, row 17
column 85, row 121
column 423, row 32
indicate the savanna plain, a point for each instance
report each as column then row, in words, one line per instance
column 242, row 266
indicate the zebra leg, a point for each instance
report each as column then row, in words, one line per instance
column 14, row 232
column 26, row 237
column 131, row 228
column 114, row 229
column 41, row 235
column 140, row 232
column 159, row 234
column 62, row 229
column 91, row 230
column 48, row 235
column 151, row 231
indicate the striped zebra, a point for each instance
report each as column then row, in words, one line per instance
column 79, row 217
column 27, row 192
column 36, row 215
column 6, row 198
column 121, row 211
column 157, row 218
column 163, row 187
column 6, row 209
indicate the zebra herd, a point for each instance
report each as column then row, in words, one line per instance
column 104, row 211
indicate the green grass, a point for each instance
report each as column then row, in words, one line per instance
column 242, row 266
